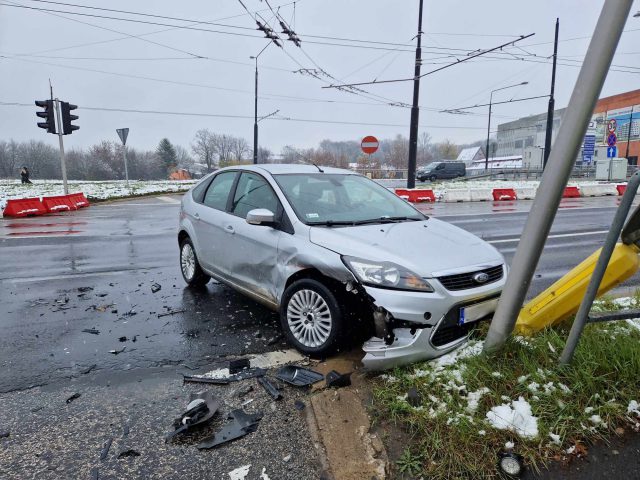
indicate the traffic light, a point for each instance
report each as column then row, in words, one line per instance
column 48, row 113
column 67, row 118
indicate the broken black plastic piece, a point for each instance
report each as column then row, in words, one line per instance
column 214, row 381
column 242, row 424
column 298, row 376
column 73, row 397
column 270, row 388
column 299, row 404
column 242, row 375
column 155, row 287
column 5, row 434
column 338, row 380
column 105, row 449
column 203, row 407
column 92, row 331
column 413, row 397
column 129, row 453
column 236, row 366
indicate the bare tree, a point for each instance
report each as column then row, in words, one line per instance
column 224, row 148
column 239, row 148
column 204, row 148
column 424, row 149
column 185, row 160
column 264, row 155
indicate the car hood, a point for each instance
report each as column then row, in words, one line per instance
column 430, row 248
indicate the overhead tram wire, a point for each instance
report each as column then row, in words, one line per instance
column 215, row 115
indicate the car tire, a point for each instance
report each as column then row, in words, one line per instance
column 433, row 178
column 311, row 317
column 189, row 265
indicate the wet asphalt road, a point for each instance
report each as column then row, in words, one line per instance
column 96, row 269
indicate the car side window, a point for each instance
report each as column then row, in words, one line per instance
column 218, row 191
column 252, row 192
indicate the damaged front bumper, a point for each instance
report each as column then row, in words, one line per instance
column 425, row 326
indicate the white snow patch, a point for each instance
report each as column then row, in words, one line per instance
column 470, row 349
column 482, row 432
column 509, row 445
column 633, row 407
column 596, row 419
column 239, row 473
column 533, row 387
column 388, row 378
column 555, row 438
column 263, row 475
column 564, row 388
column 516, row 417
column 571, row 449
column 473, row 399
column 523, row 378
column 496, row 374
column 588, row 410
column 553, row 350
column 549, row 388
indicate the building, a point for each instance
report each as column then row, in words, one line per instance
column 520, row 136
column 470, row 155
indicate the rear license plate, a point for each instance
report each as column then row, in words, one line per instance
column 477, row 311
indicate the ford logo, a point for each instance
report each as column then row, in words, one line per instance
column 480, row 277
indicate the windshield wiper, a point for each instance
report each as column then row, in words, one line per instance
column 386, row 219
column 332, row 223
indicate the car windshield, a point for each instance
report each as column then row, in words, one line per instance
column 341, row 199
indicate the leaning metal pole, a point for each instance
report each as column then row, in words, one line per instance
column 600, row 269
column 565, row 150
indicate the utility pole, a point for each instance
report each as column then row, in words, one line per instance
column 255, row 111
column 545, row 205
column 629, row 134
column 486, row 159
column 63, row 165
column 415, row 111
column 123, row 133
column 548, row 135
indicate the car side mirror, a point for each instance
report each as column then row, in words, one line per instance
column 261, row 216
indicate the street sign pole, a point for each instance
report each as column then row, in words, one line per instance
column 63, row 165
column 561, row 159
column 123, row 133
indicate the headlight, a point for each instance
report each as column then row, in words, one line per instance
column 386, row 275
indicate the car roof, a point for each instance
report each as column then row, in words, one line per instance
column 283, row 168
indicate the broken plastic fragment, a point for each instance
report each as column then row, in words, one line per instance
column 236, row 366
column 239, row 473
column 155, row 287
column 298, row 376
column 201, row 408
column 105, row 449
column 338, row 380
column 242, row 424
column 270, row 388
column 73, row 397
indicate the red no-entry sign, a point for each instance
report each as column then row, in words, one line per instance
column 369, row 144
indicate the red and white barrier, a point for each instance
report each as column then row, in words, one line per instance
column 58, row 203
column 571, row 192
column 504, row 194
column 598, row 190
column 480, row 194
column 24, row 207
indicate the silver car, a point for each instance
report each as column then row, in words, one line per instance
column 338, row 255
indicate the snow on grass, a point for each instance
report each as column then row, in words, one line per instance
column 13, row 189
column 516, row 417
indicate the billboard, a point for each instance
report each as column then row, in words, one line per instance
column 625, row 118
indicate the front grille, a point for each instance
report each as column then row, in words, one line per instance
column 463, row 281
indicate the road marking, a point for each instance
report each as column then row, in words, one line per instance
column 166, row 204
column 73, row 275
column 559, row 235
column 169, row 200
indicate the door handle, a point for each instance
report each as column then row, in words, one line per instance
column 229, row 229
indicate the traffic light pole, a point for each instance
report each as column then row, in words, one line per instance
column 63, row 165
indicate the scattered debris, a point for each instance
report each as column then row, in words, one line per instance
column 413, row 397
column 263, row 475
column 242, row 391
column 73, row 397
column 239, row 473
column 170, row 312
column 135, row 338
column 105, row 449
column 84, row 289
column 129, row 453
column 155, row 287
column 235, row 366
column 242, row 424
column 116, row 352
column 92, row 331
column 122, row 339
column 298, row 376
column 197, row 379
column 270, row 388
column 274, row 340
column 202, row 407
column 287, row 458
column 299, row 404
column 125, row 430
column 101, row 308
column 338, row 380
column 5, row 434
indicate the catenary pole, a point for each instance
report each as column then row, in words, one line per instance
column 63, row 165
column 629, row 134
column 415, row 110
column 549, row 133
column 255, row 119
column 578, row 114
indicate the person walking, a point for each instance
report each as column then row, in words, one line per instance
column 24, row 175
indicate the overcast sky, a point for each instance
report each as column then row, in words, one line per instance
column 106, row 63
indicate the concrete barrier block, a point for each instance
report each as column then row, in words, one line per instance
column 526, row 193
column 458, row 195
column 600, row 190
column 481, row 194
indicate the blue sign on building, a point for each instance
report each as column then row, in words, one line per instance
column 588, row 149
